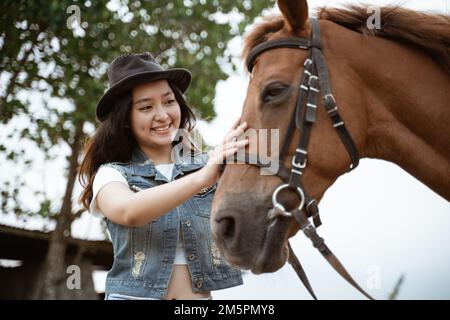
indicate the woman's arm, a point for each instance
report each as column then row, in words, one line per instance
column 119, row 204
column 122, row 206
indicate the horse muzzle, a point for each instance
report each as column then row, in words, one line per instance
column 249, row 240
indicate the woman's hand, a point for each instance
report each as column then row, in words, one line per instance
column 210, row 172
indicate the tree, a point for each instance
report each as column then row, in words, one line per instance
column 61, row 49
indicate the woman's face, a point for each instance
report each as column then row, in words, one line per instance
column 155, row 114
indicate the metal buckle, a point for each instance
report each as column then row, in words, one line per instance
column 306, row 225
column 311, row 202
column 279, row 205
column 329, row 95
column 332, row 110
column 298, row 165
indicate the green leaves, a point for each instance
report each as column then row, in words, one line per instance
column 181, row 33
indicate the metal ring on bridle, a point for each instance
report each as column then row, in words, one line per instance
column 300, row 192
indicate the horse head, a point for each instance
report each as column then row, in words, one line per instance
column 300, row 71
column 240, row 223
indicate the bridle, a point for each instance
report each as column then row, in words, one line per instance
column 314, row 80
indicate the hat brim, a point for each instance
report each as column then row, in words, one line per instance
column 178, row 76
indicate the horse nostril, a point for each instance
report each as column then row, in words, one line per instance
column 226, row 228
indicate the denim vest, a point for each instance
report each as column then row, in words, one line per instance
column 144, row 256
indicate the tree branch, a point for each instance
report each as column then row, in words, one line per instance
column 12, row 82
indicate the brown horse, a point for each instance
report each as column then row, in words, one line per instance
column 392, row 87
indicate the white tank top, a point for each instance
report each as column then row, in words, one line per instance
column 106, row 175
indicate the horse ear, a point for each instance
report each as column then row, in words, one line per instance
column 295, row 13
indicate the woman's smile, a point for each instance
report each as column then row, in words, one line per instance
column 161, row 130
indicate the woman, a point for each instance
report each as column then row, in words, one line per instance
column 156, row 201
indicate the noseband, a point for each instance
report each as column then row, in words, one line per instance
column 314, row 80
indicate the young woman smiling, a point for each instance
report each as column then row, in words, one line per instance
column 155, row 202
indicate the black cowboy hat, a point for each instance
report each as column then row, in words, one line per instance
column 129, row 70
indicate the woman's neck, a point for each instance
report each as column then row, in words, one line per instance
column 158, row 156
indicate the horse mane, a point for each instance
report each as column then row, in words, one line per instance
column 428, row 31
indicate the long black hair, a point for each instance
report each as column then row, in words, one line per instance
column 114, row 141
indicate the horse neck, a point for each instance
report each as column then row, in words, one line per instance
column 405, row 98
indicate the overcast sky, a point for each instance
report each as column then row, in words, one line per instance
column 379, row 221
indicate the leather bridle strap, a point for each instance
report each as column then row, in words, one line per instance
column 331, row 107
column 328, row 99
column 294, row 43
column 319, row 244
column 296, row 119
column 297, row 266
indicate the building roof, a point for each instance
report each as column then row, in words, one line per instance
column 23, row 244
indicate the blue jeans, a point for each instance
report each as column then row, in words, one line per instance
column 118, row 296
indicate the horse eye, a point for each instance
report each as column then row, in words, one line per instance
column 272, row 92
